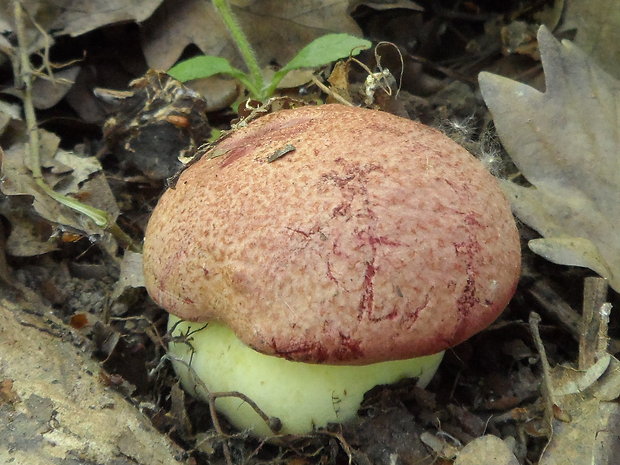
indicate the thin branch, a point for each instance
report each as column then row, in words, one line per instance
column 273, row 423
column 330, row 92
column 547, row 386
column 593, row 322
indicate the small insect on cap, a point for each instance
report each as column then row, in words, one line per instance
column 335, row 235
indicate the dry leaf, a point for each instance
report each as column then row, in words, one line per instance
column 159, row 123
column 383, row 5
column 440, row 445
column 77, row 17
column 68, row 173
column 48, row 92
column 30, row 236
column 8, row 113
column 74, row 17
column 571, row 381
column 590, row 436
column 598, row 31
column 131, row 273
column 277, row 30
column 488, row 450
column 565, row 142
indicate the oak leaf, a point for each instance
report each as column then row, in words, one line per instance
column 566, row 143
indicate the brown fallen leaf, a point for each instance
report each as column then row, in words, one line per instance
column 488, row 450
column 131, row 275
column 68, row 173
column 49, row 91
column 30, row 235
column 73, row 17
column 597, row 23
column 76, row 17
column 158, row 124
column 565, row 143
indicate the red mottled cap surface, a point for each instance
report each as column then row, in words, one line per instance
column 376, row 238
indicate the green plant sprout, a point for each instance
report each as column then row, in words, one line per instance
column 319, row 52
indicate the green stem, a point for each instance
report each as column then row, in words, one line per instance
column 242, row 43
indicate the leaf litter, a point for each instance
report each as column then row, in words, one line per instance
column 69, row 173
column 565, row 143
column 495, row 399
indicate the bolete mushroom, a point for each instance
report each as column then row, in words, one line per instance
column 324, row 250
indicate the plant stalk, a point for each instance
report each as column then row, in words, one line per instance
column 242, row 43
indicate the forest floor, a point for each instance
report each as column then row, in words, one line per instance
column 72, row 286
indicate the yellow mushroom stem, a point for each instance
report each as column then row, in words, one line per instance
column 303, row 396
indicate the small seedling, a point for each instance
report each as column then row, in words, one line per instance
column 319, row 52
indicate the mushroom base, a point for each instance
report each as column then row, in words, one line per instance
column 303, row 396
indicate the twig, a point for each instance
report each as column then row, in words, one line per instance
column 592, row 322
column 216, row 423
column 562, row 313
column 329, row 91
column 273, row 423
column 442, row 69
column 46, row 47
column 555, row 307
column 547, row 386
column 151, row 330
column 343, row 443
column 603, row 337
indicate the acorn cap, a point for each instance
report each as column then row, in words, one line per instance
column 336, row 235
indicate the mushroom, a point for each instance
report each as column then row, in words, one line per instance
column 320, row 251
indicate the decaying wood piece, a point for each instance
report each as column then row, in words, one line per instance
column 53, row 407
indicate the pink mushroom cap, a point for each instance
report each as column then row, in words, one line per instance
column 330, row 234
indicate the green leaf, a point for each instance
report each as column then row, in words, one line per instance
column 325, row 49
column 202, row 67
column 321, row 51
column 207, row 65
